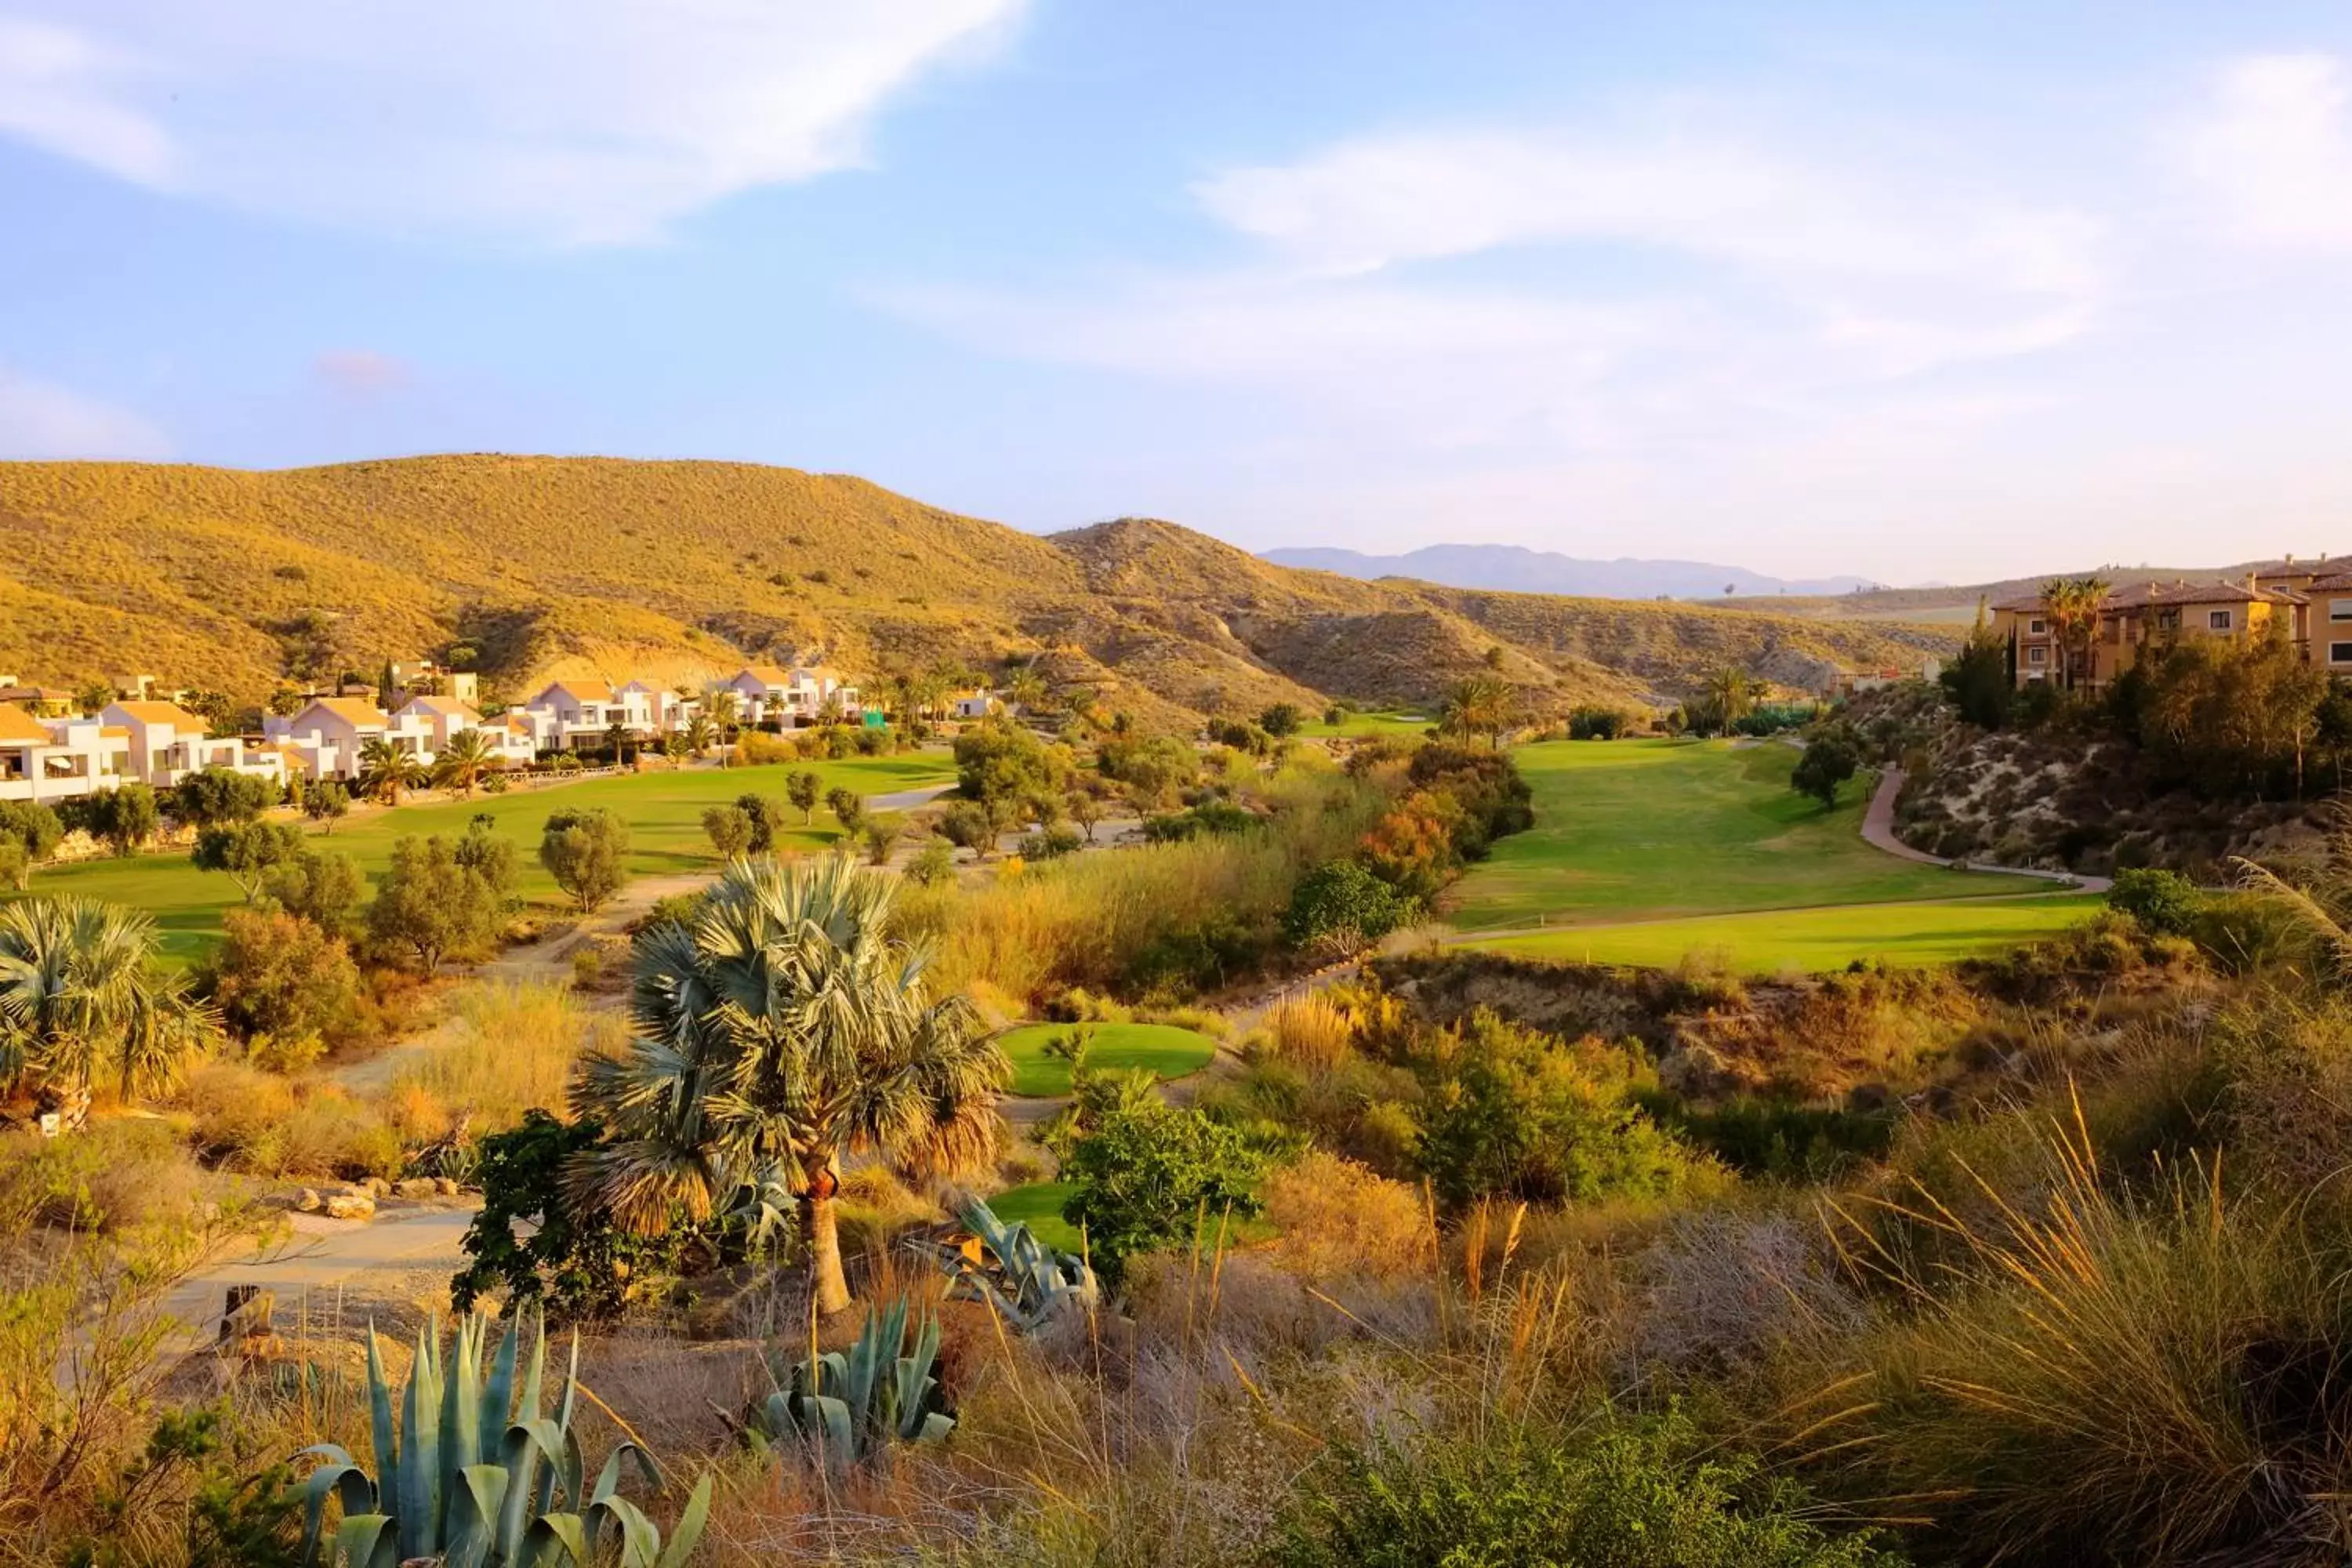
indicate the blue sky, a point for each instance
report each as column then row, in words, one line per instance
column 1917, row 291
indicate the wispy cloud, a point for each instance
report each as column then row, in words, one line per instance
column 2272, row 148
column 562, row 121
column 1663, row 275
column 39, row 419
column 360, row 374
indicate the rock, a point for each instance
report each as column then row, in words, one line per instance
column 354, row 1204
column 308, row 1201
column 445, row 1185
column 417, row 1187
column 377, row 1187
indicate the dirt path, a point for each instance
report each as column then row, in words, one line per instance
column 323, row 1259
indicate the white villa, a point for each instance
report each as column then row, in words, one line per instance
column 168, row 744
column 326, row 737
column 160, row 743
column 977, row 703
column 767, row 694
column 59, row 759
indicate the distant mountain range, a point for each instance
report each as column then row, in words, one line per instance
column 1517, row 568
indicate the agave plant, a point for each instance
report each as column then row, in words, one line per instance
column 470, row 1472
column 1027, row 1282
column 852, row 1406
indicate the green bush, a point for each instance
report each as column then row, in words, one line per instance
column 1343, row 908
column 2166, row 902
column 1147, row 1172
column 572, row 1258
column 1505, row 1112
column 1627, row 1494
column 587, row 852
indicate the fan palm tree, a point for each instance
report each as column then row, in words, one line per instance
column 385, row 769
column 2072, row 605
column 80, row 993
column 462, row 762
column 785, row 1030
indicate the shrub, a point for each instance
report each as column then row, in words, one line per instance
column 1336, row 1218
column 443, row 898
column 968, row 825
column 571, row 1258
column 1281, row 719
column 32, row 827
column 1210, row 817
column 1505, row 1113
column 246, row 850
column 323, row 888
column 1001, row 760
column 587, row 854
column 1309, row 1030
column 1597, row 724
column 1343, row 908
column 729, row 830
column 2165, row 902
column 1052, row 843
column 1829, row 760
column 325, row 799
column 124, row 818
column 934, row 863
column 1628, row 1493
column 219, row 795
column 15, row 865
column 1146, row 1171
column 277, row 974
column 848, row 807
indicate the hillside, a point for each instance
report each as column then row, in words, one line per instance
column 680, row 569
column 1518, row 568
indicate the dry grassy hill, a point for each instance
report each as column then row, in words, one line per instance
column 679, row 570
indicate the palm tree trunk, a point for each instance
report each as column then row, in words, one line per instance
column 820, row 1227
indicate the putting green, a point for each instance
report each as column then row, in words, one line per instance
column 1166, row 1050
column 1651, row 829
column 663, row 807
column 1769, row 941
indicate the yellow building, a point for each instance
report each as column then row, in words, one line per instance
column 2160, row 614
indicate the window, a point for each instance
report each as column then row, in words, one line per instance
column 2218, row 620
column 2037, row 656
column 2037, row 628
column 2339, row 609
column 2167, row 620
column 2339, row 653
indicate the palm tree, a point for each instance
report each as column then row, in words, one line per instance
column 1480, row 705
column 617, row 736
column 1025, row 688
column 722, row 704
column 785, row 1030
column 462, row 762
column 700, row 732
column 1731, row 692
column 80, row 992
column 2072, row 605
column 385, row 769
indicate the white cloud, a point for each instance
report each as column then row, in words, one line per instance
column 41, row 420
column 1659, row 289
column 1368, row 203
column 566, row 122
column 2272, row 148
column 57, row 90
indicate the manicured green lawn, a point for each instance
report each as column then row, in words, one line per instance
column 1359, row 726
column 1039, row 1204
column 663, row 809
column 1166, row 1050
column 1648, row 829
column 1815, row 940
